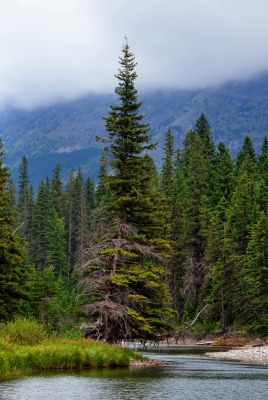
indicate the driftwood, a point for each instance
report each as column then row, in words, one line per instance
column 183, row 330
column 196, row 318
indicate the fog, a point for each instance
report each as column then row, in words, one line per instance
column 57, row 50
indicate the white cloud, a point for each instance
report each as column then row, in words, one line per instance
column 61, row 49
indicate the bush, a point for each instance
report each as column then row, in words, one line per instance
column 206, row 327
column 24, row 331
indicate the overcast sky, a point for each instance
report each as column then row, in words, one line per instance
column 52, row 50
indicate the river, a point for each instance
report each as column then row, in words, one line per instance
column 188, row 375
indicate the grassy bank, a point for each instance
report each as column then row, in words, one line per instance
column 61, row 354
column 18, row 357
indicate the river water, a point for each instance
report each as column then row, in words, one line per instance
column 188, row 375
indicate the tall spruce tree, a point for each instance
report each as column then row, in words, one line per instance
column 196, row 203
column 23, row 198
column 13, row 270
column 168, row 166
column 129, row 137
column 122, row 281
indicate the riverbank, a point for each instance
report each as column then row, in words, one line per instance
column 252, row 355
column 62, row 354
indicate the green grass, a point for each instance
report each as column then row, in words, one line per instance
column 25, row 347
column 65, row 354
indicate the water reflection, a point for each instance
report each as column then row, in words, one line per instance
column 188, row 375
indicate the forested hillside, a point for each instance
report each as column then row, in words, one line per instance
column 65, row 132
column 140, row 253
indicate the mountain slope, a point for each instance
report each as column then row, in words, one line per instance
column 65, row 132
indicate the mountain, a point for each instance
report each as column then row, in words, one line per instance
column 65, row 132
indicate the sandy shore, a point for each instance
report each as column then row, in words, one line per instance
column 252, row 355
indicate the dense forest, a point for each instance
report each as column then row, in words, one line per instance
column 140, row 253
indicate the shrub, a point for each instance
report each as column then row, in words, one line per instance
column 24, row 331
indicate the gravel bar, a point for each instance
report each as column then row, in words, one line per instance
column 252, row 355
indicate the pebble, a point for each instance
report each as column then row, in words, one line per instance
column 252, row 355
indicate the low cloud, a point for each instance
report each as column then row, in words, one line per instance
column 63, row 49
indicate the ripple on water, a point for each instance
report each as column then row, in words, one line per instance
column 191, row 377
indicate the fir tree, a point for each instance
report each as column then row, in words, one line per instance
column 196, row 208
column 167, row 171
column 56, row 190
column 55, row 236
column 255, row 274
column 13, row 268
column 126, row 295
column 23, row 198
column 129, row 137
column 246, row 153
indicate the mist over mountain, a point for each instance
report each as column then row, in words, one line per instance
column 65, row 132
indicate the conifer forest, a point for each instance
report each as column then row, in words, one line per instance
column 140, row 253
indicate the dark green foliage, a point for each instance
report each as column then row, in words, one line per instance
column 168, row 166
column 13, row 268
column 224, row 168
column 200, row 227
column 129, row 138
column 123, row 281
column 56, row 256
column 56, row 190
column 255, row 275
column 246, row 154
column 39, row 241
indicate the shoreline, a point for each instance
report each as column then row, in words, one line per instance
column 251, row 355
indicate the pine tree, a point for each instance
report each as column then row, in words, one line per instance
column 13, row 268
column 178, row 237
column 240, row 216
column 129, row 138
column 246, row 153
column 167, row 171
column 55, row 236
column 263, row 175
column 90, row 194
column 196, row 208
column 40, row 222
column 255, row 274
column 123, row 279
column 23, row 198
column 203, row 129
column 102, row 190
column 56, row 190
column 224, row 167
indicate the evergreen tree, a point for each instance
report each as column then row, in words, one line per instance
column 56, row 190
column 203, row 129
column 55, row 236
column 246, row 153
column 241, row 215
column 102, row 190
column 263, row 175
column 40, row 222
column 126, row 295
column 90, row 194
column 224, row 167
column 177, row 237
column 23, row 200
column 167, row 171
column 196, row 210
column 129, row 137
column 255, row 274
column 13, row 268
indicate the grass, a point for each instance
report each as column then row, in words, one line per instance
column 18, row 356
column 61, row 354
